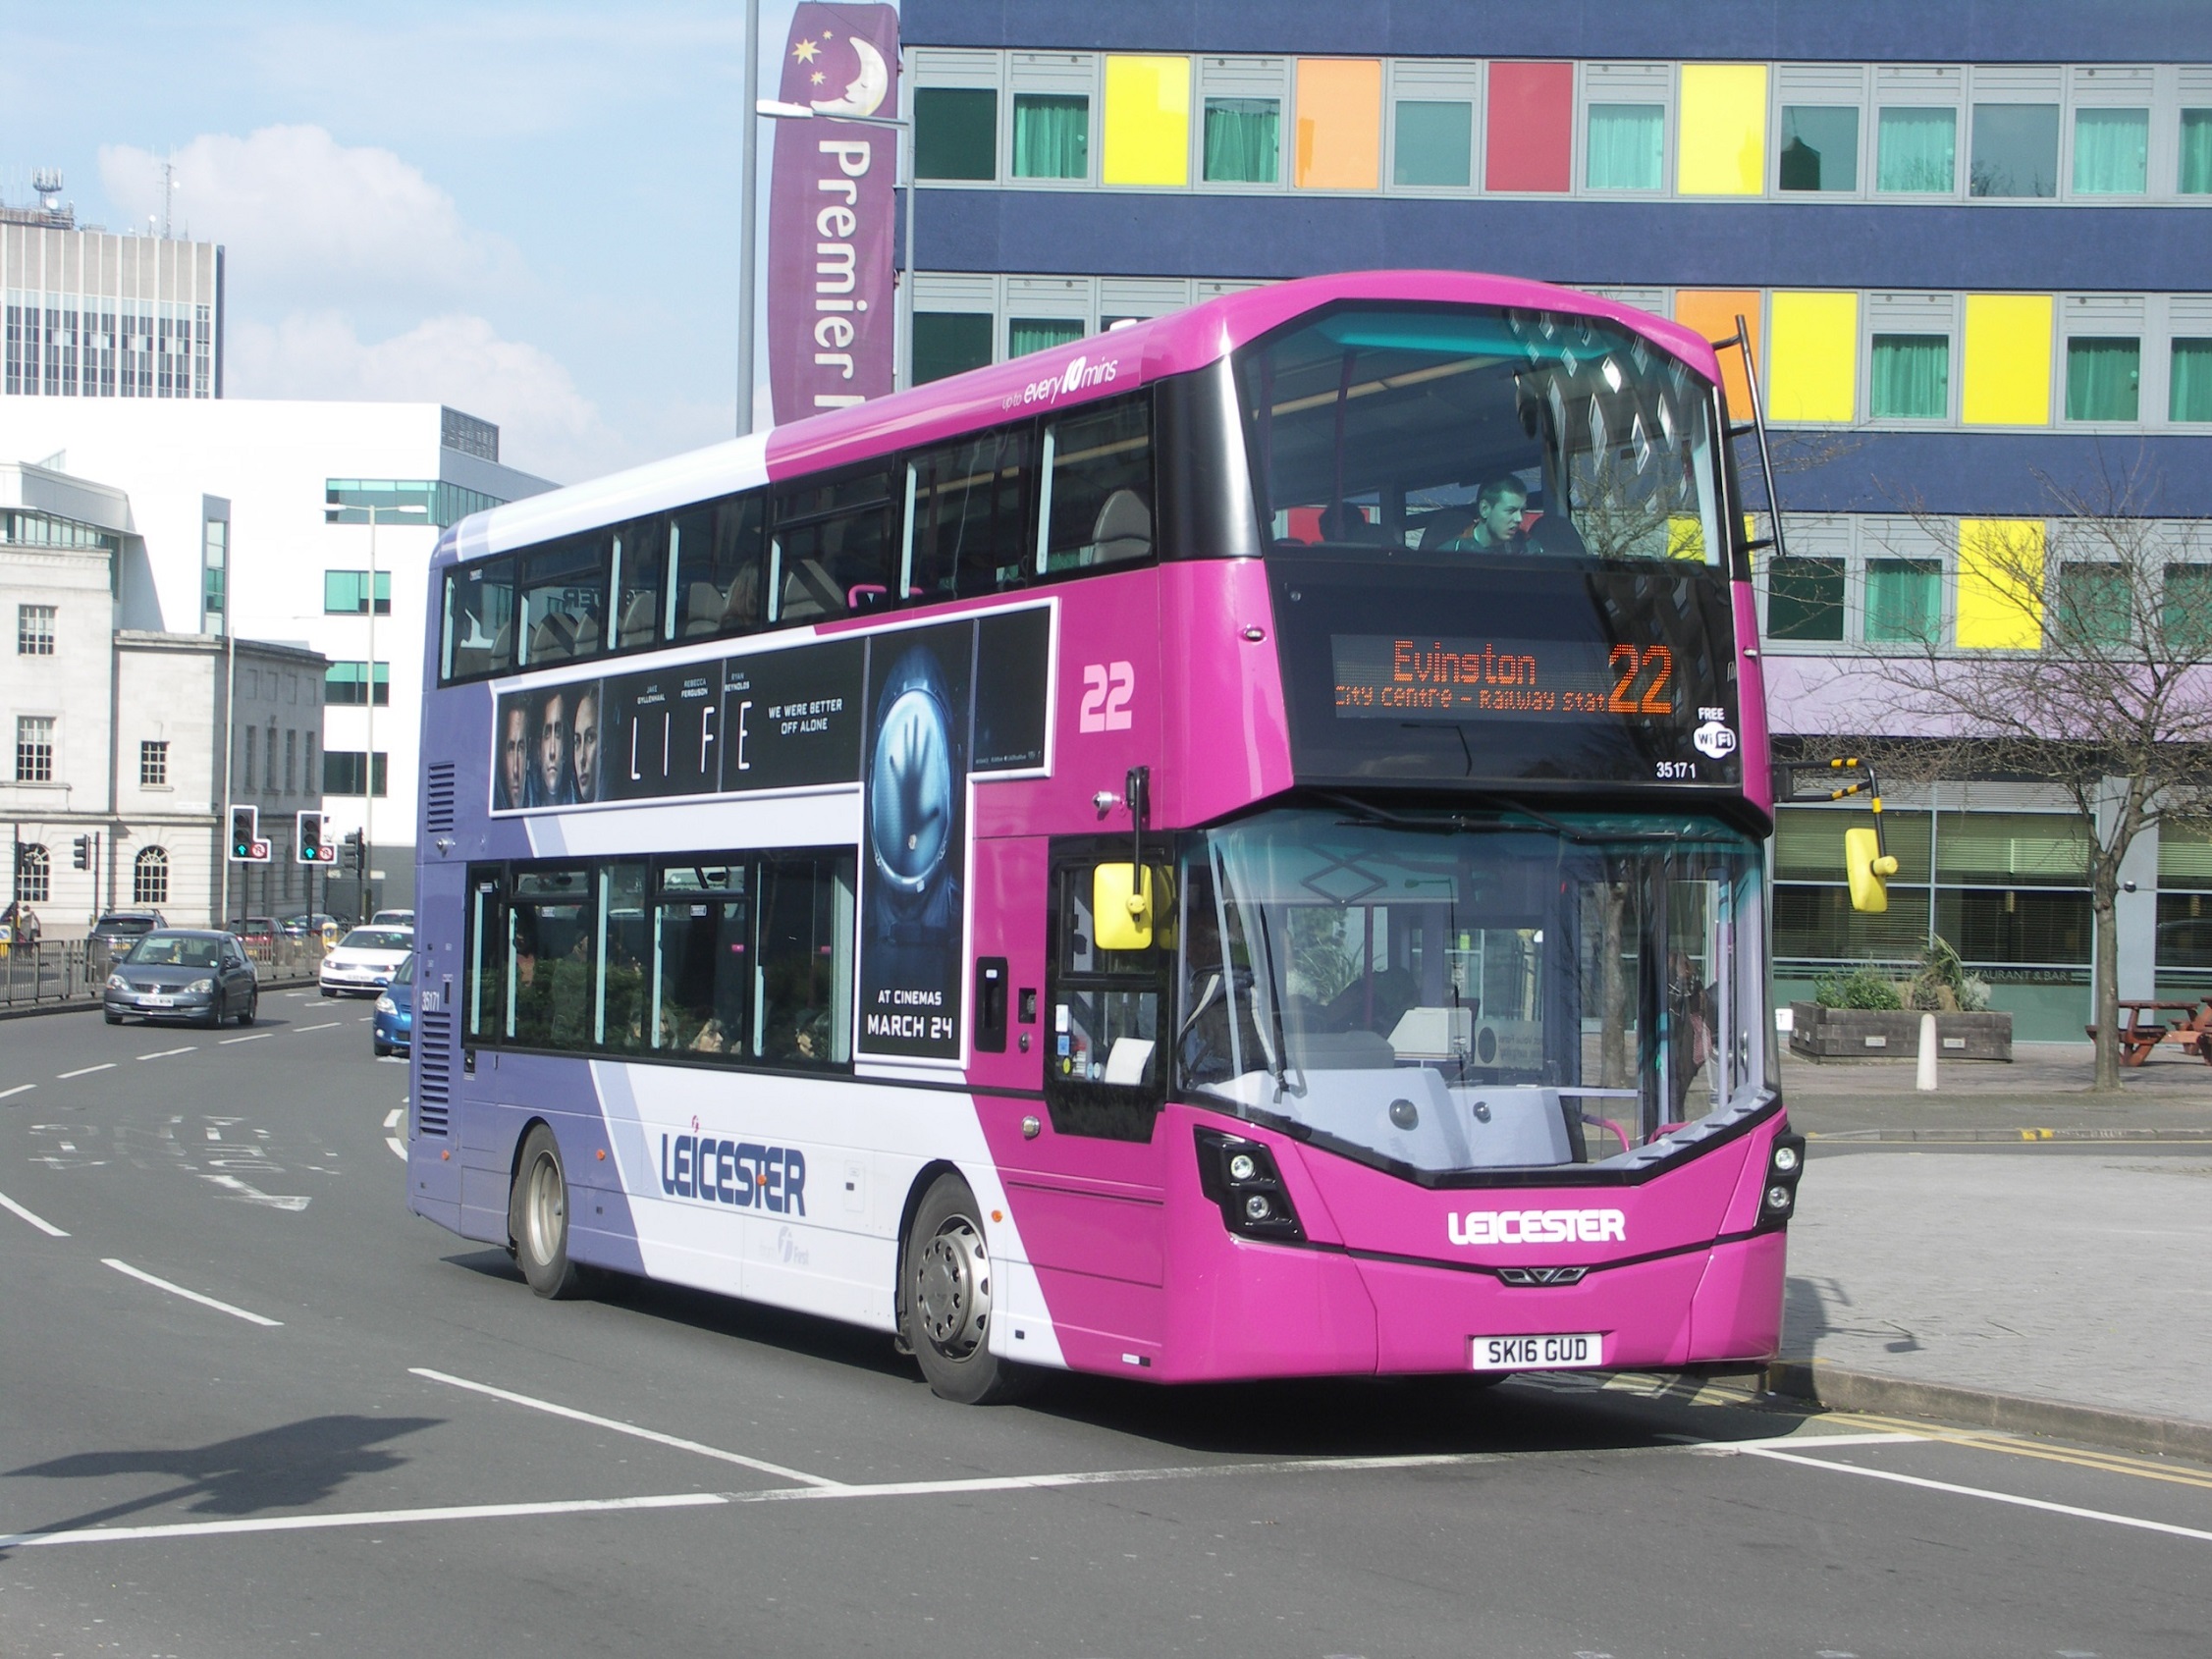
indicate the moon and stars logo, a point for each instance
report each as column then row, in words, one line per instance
column 864, row 92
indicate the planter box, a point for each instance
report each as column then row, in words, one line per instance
column 1873, row 1034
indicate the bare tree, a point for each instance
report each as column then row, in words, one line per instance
column 2082, row 660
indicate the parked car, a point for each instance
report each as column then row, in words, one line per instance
column 259, row 929
column 192, row 974
column 393, row 1031
column 299, row 927
column 363, row 962
column 392, row 919
column 120, row 929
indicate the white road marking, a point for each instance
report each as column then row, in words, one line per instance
column 1797, row 1442
column 327, row 1025
column 256, row 1037
column 253, row 1194
column 356, row 1517
column 653, row 1435
column 2017, row 1502
column 40, row 1222
column 85, row 1071
column 164, row 1053
column 398, row 1151
column 17, row 1090
column 125, row 1268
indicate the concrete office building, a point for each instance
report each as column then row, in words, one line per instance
column 256, row 515
column 1969, row 242
column 117, row 730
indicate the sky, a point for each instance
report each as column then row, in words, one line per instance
column 526, row 211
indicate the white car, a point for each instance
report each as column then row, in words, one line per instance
column 363, row 962
column 391, row 919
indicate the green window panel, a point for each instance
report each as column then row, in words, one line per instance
column 1818, row 924
column 1025, row 335
column 2111, row 152
column 955, row 133
column 1809, row 842
column 2189, row 394
column 1243, row 140
column 2008, row 849
column 2015, row 150
column 2095, row 606
column 950, row 342
column 2187, row 620
column 2103, row 379
column 1052, row 136
column 1903, row 601
column 2015, row 929
column 2184, row 865
column 1436, row 143
column 1819, row 148
column 1626, row 147
column 1912, row 377
column 2197, row 152
column 1804, row 599
column 1916, row 151
column 346, row 683
column 345, row 593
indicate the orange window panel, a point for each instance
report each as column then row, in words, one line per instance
column 1339, row 123
column 1712, row 313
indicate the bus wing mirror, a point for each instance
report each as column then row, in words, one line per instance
column 1869, row 868
column 1122, row 906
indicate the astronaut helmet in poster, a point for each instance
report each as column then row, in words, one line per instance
column 913, row 801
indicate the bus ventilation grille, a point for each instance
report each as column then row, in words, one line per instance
column 434, row 1042
column 438, row 799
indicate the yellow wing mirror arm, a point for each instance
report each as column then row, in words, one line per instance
column 1867, row 861
column 1121, row 894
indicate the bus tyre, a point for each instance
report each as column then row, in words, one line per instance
column 944, row 1303
column 537, row 1218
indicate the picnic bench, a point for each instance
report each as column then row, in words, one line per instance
column 2143, row 1030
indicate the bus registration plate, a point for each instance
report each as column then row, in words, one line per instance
column 1578, row 1351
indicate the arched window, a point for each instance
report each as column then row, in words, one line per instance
column 149, row 877
column 34, row 881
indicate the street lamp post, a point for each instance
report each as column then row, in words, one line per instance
column 335, row 514
column 902, row 356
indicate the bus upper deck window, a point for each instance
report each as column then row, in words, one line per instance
column 641, row 554
column 563, row 601
column 832, row 552
column 967, row 517
column 1097, row 485
column 715, row 551
column 479, row 624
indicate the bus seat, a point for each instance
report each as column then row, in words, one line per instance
column 587, row 635
column 1123, row 531
column 810, row 593
column 639, row 622
column 554, row 639
column 702, row 610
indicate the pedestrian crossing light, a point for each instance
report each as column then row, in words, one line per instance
column 309, row 843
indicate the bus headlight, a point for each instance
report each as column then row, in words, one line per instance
column 1241, row 1177
column 1785, row 1164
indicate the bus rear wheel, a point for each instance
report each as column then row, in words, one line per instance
column 537, row 1218
column 944, row 1303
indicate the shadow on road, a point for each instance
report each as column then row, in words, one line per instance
column 285, row 1467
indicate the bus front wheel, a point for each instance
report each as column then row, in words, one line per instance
column 537, row 1218
column 944, row 1303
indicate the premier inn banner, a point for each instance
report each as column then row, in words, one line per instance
column 832, row 213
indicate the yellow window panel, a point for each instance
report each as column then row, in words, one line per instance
column 1721, row 144
column 1712, row 313
column 2001, row 584
column 2008, row 366
column 1148, row 121
column 1339, row 123
column 1812, row 357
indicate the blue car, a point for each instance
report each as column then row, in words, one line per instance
column 393, row 1029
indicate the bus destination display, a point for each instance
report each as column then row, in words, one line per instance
column 1400, row 676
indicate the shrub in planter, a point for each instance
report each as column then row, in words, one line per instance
column 1861, row 987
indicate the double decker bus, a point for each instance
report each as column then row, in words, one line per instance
column 1231, row 848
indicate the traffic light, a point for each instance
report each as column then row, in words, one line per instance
column 80, row 853
column 355, row 859
column 246, row 845
column 309, row 843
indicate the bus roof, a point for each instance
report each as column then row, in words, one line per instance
column 1098, row 365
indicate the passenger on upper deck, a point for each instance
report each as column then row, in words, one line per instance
column 1495, row 526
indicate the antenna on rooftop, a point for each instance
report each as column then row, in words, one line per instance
column 47, row 182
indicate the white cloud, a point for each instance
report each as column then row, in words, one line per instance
column 546, row 425
column 306, row 217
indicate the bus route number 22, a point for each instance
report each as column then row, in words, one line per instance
column 1106, row 690
column 1642, row 685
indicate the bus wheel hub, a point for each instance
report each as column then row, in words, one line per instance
column 952, row 1288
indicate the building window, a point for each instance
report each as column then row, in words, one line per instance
column 2015, row 150
column 153, row 765
column 2187, row 619
column 292, row 763
column 34, row 749
column 149, row 877
column 345, row 684
column 1804, row 599
column 307, row 763
column 345, row 593
column 1819, row 148
column 215, row 544
column 35, row 630
column 342, row 772
column 1912, row 377
column 1025, row 335
column 1903, row 601
column 34, row 874
column 1436, row 143
column 950, row 342
column 1916, row 151
column 955, row 133
column 246, row 778
column 2189, row 394
column 1052, row 136
column 2197, row 152
column 2094, row 604
column 2103, row 379
column 1626, row 148
column 1243, row 140
column 2111, row 152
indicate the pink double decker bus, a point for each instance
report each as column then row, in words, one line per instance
column 1233, row 848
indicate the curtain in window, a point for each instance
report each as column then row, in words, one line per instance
column 1918, row 150
column 1911, row 378
column 1435, row 142
column 2093, row 604
column 1243, row 140
column 2197, row 152
column 2111, row 152
column 1904, row 600
column 2190, row 396
column 1626, row 142
column 2187, row 622
column 1052, row 136
column 2102, row 377
column 1025, row 335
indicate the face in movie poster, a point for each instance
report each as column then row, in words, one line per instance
column 547, row 750
column 914, row 815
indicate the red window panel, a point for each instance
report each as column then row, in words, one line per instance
column 1530, row 136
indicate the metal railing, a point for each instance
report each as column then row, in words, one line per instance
column 66, row 971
